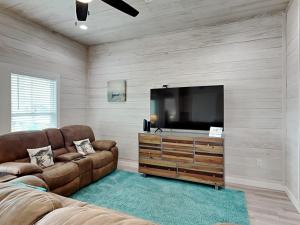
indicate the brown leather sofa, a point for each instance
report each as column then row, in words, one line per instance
column 42, row 208
column 71, row 170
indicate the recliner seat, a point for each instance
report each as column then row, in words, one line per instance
column 104, row 160
column 71, row 170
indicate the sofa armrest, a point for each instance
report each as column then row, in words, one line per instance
column 100, row 145
column 19, row 168
column 67, row 157
column 31, row 180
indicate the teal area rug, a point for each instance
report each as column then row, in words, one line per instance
column 166, row 202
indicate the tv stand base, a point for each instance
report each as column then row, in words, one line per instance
column 190, row 157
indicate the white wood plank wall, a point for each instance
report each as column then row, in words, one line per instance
column 293, row 104
column 25, row 46
column 245, row 56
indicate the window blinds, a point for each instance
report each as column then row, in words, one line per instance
column 33, row 103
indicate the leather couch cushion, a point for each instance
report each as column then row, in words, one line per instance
column 13, row 146
column 68, row 157
column 104, row 144
column 69, row 202
column 56, row 141
column 101, row 159
column 89, row 216
column 24, row 206
column 60, row 174
column 76, row 133
column 85, row 165
column 19, row 168
column 31, row 180
column 55, row 138
column 69, row 188
column 59, row 151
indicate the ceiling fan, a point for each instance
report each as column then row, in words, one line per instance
column 82, row 8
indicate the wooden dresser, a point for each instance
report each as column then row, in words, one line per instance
column 192, row 157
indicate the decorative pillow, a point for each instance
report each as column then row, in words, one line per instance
column 84, row 147
column 43, row 157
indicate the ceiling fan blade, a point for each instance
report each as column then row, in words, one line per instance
column 122, row 6
column 82, row 10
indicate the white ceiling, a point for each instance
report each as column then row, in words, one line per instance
column 108, row 25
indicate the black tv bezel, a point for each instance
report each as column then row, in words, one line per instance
column 182, row 129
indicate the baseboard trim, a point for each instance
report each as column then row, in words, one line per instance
column 255, row 183
column 293, row 199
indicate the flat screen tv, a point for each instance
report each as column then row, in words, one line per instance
column 187, row 108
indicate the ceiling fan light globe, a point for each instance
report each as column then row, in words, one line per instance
column 83, row 27
column 85, row 1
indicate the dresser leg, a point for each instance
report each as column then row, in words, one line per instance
column 216, row 187
column 144, row 175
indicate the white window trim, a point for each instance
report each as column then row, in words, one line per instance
column 45, row 75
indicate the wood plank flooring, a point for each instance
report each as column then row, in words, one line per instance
column 267, row 207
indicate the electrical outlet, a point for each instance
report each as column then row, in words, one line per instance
column 259, row 163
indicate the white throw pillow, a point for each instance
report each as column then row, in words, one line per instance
column 84, row 147
column 42, row 157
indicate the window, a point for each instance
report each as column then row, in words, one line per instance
column 33, row 103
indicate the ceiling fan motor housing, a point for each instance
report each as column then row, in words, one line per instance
column 82, row 10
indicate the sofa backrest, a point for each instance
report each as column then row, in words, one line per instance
column 22, row 205
column 76, row 133
column 13, row 146
column 56, row 141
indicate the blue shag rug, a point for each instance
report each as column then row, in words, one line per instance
column 166, row 201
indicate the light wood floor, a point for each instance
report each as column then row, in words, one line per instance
column 268, row 207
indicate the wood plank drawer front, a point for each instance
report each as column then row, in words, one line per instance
column 158, row 163
column 158, row 172
column 214, row 159
column 177, row 142
column 178, row 156
column 200, row 178
column 209, row 168
column 208, row 148
column 209, row 140
column 175, row 147
column 148, row 139
column 150, row 153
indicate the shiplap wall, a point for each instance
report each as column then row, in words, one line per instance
column 293, row 104
column 28, row 48
column 245, row 56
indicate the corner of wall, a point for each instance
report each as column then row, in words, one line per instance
column 86, row 84
column 294, row 200
column 284, row 93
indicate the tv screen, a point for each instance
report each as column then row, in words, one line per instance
column 188, row 108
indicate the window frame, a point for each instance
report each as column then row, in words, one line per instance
column 44, row 75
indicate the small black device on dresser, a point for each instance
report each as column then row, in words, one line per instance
column 146, row 125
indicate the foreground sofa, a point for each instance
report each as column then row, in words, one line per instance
column 26, row 206
column 71, row 170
